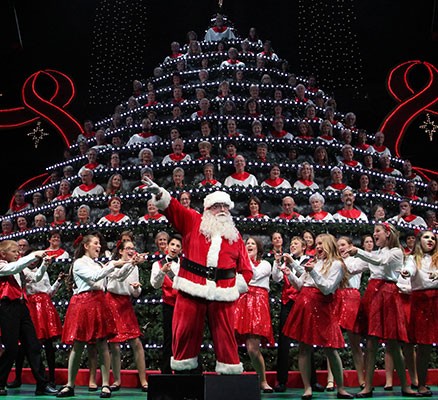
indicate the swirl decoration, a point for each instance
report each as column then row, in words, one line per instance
column 412, row 103
column 49, row 108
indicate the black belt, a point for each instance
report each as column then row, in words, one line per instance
column 210, row 273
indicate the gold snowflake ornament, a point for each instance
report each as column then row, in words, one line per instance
column 37, row 134
column 429, row 127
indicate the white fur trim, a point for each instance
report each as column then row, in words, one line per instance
column 183, row 365
column 229, row 369
column 241, row 284
column 213, row 251
column 218, row 197
column 164, row 201
column 209, row 291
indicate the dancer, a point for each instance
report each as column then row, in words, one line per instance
column 88, row 318
column 252, row 315
column 121, row 285
column 311, row 321
column 381, row 316
column 162, row 275
column 288, row 296
column 15, row 321
column 422, row 269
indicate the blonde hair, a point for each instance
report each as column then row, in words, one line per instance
column 331, row 251
column 419, row 254
column 393, row 238
column 6, row 245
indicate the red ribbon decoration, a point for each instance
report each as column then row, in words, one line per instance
column 51, row 110
column 411, row 104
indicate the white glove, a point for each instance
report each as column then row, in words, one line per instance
column 151, row 186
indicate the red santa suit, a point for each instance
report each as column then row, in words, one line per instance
column 207, row 286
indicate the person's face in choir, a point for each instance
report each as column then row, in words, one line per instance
column 92, row 248
column 428, row 242
column 379, row 214
column 185, row 200
column 208, row 173
column 274, row 173
column 161, row 242
column 410, row 241
column 306, row 172
column 343, row 246
column 364, row 181
column 254, row 207
column 115, row 206
column 11, row 254
column 251, row 247
column 288, row 206
column 175, row 247
column 257, row 129
column 277, row 240
column 308, row 238
column 319, row 248
column 381, row 236
column 152, row 208
column 368, row 244
column 296, row 248
column 316, row 205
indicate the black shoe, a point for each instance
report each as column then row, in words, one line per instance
column 344, row 396
column 114, row 387
column 280, row 388
column 414, row 394
column 268, row 390
column 14, row 384
column 45, row 391
column 427, row 393
column 92, row 388
column 365, row 395
column 66, row 391
column 318, row 388
column 307, row 396
column 387, row 388
column 414, row 387
column 3, row 391
column 145, row 388
column 105, row 395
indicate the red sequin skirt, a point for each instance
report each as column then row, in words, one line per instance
column 381, row 312
column 124, row 316
column 44, row 316
column 423, row 325
column 312, row 320
column 253, row 315
column 88, row 318
column 347, row 308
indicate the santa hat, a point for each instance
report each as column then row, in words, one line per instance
column 218, row 197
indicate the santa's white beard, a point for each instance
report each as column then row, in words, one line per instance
column 218, row 225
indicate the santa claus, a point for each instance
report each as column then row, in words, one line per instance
column 213, row 273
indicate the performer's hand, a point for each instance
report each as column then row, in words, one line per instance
column 433, row 275
column 286, row 270
column 135, row 285
column 309, row 265
column 405, row 274
column 151, row 186
column 352, row 251
column 287, row 258
column 166, row 267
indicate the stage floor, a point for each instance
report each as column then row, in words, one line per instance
column 81, row 392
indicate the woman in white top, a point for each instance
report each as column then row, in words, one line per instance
column 305, row 176
column 381, row 315
column 121, row 285
column 252, row 315
column 311, row 321
column 88, row 318
column 422, row 269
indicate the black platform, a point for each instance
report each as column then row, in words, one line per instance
column 204, row 387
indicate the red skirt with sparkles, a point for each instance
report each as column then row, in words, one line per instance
column 44, row 316
column 88, row 318
column 381, row 312
column 253, row 315
column 423, row 325
column 347, row 308
column 312, row 320
column 124, row 316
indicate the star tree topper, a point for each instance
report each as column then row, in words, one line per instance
column 37, row 134
column 429, row 127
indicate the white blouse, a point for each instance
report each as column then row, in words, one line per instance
column 89, row 274
column 420, row 276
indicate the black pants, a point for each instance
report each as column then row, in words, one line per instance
column 284, row 343
column 167, row 338
column 16, row 326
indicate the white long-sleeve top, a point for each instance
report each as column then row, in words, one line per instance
column 354, row 279
column 157, row 275
column 38, row 281
column 296, row 267
column 327, row 284
column 15, row 267
column 119, row 281
column 261, row 274
column 383, row 264
column 420, row 276
column 89, row 275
